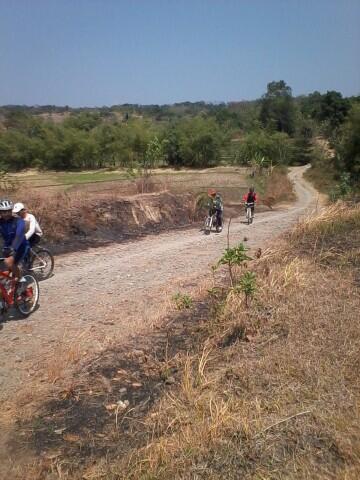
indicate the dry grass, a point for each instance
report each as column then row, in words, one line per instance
column 281, row 401
column 274, row 188
column 64, row 357
column 271, row 391
column 70, row 216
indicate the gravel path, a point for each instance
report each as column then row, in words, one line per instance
column 105, row 294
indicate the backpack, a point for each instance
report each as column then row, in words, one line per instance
column 251, row 197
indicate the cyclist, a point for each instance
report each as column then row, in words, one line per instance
column 216, row 206
column 12, row 230
column 33, row 233
column 251, row 197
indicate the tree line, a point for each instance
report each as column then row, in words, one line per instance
column 277, row 128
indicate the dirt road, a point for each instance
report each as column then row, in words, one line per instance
column 106, row 294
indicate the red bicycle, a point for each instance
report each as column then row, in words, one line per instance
column 22, row 294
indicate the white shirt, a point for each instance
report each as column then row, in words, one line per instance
column 32, row 226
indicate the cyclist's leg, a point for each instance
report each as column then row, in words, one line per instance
column 20, row 256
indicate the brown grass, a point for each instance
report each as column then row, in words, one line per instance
column 281, row 401
column 274, row 188
column 84, row 215
column 271, row 391
column 63, row 358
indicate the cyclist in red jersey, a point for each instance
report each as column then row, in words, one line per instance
column 251, row 197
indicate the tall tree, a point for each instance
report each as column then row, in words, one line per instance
column 277, row 108
column 333, row 109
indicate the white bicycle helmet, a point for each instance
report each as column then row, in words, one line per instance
column 18, row 207
column 6, row 205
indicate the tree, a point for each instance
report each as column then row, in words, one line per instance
column 194, row 142
column 276, row 147
column 172, row 150
column 333, row 109
column 153, row 155
column 303, row 145
column 348, row 149
column 311, row 105
column 277, row 108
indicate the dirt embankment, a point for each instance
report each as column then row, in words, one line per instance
column 106, row 220
column 75, row 220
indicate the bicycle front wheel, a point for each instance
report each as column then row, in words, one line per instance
column 207, row 226
column 27, row 295
column 42, row 264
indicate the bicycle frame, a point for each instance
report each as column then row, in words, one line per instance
column 33, row 252
column 8, row 295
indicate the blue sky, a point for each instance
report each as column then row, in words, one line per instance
column 105, row 52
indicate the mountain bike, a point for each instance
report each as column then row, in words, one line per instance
column 210, row 222
column 39, row 262
column 23, row 294
column 249, row 212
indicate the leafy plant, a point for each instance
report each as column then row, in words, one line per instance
column 247, row 285
column 153, row 155
column 232, row 257
column 259, row 162
column 182, row 301
column 342, row 189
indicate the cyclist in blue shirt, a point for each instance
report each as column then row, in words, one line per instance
column 12, row 230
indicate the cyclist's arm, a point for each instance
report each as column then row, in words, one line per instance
column 19, row 235
column 32, row 227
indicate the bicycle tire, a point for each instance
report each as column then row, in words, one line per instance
column 37, row 268
column 207, row 228
column 27, row 295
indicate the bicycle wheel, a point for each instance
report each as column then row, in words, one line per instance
column 248, row 216
column 207, row 228
column 27, row 295
column 42, row 264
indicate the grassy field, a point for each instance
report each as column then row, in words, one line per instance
column 66, row 179
column 231, row 181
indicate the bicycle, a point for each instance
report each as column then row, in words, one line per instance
column 249, row 212
column 40, row 262
column 24, row 294
column 210, row 222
